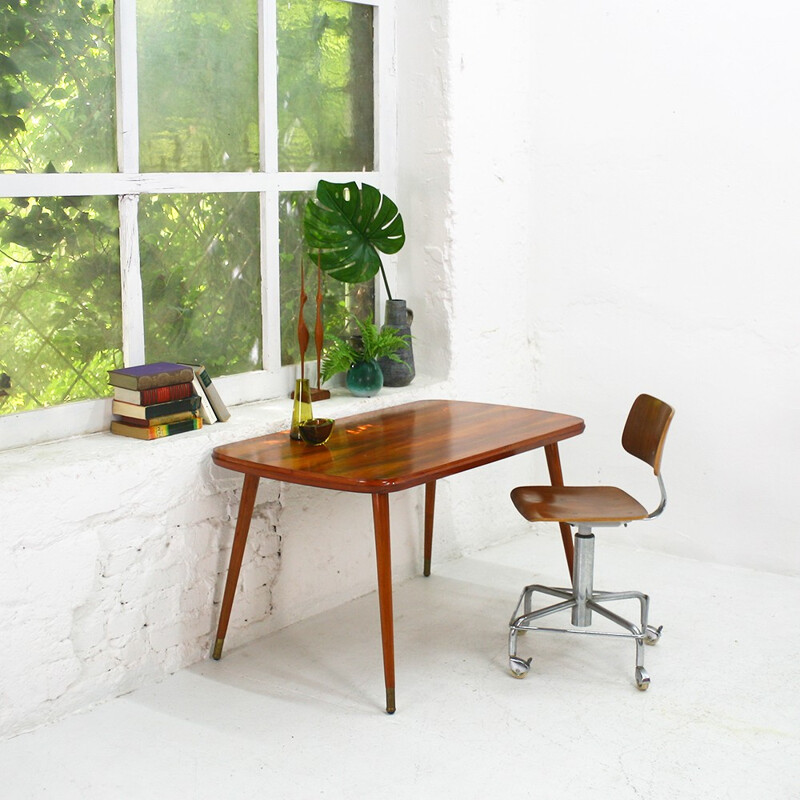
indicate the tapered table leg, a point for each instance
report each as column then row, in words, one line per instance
column 557, row 479
column 246, row 504
column 383, row 557
column 430, row 499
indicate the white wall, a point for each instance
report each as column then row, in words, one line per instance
column 425, row 266
column 666, row 247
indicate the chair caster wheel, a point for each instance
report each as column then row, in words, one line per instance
column 519, row 667
column 642, row 679
column 652, row 635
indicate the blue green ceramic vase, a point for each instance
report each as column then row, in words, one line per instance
column 364, row 379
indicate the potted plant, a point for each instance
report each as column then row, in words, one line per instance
column 359, row 358
column 346, row 227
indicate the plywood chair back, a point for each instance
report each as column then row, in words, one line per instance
column 646, row 429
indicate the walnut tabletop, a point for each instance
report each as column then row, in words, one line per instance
column 397, row 448
column 385, row 451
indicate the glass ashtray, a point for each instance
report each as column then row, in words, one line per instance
column 316, row 431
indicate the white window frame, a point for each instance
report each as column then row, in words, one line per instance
column 273, row 380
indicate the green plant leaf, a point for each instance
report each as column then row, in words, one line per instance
column 339, row 357
column 375, row 343
column 9, row 125
column 347, row 227
column 7, row 65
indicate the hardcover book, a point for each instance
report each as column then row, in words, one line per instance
column 220, row 409
column 156, row 431
column 150, row 376
column 160, row 394
column 157, row 409
column 165, row 420
column 206, row 412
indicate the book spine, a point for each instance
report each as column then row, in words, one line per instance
column 161, row 394
column 220, row 409
column 206, row 412
column 150, row 376
column 191, row 403
column 156, row 431
column 159, row 431
column 166, row 419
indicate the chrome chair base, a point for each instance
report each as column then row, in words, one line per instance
column 582, row 600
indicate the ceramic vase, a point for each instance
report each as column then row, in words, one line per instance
column 364, row 379
column 397, row 315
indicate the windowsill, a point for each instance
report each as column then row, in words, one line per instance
column 246, row 421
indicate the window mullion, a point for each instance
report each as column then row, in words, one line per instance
column 133, row 349
column 270, row 242
column 127, row 87
column 270, row 278
column 268, row 81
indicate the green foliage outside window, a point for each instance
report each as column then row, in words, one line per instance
column 198, row 85
column 57, row 86
column 59, row 299
column 201, row 280
column 325, row 86
column 60, row 303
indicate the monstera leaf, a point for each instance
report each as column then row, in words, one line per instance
column 346, row 227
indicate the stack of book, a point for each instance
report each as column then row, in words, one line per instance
column 162, row 399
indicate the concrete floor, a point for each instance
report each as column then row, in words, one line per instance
column 298, row 714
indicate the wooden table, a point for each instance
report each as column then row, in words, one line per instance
column 386, row 451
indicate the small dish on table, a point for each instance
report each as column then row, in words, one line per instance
column 316, row 431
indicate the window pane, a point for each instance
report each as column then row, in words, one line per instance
column 201, row 280
column 198, row 85
column 59, row 300
column 325, row 86
column 339, row 299
column 57, row 87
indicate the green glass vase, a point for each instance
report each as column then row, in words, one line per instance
column 364, row 379
column 301, row 411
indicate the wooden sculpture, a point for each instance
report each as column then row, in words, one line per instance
column 303, row 335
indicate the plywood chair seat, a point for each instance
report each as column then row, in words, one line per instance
column 574, row 504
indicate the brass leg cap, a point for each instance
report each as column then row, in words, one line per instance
column 390, row 707
column 217, row 654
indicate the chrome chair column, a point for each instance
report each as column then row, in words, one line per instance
column 583, row 572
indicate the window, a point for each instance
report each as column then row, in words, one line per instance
column 155, row 158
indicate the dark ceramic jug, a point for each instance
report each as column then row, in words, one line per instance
column 395, row 374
